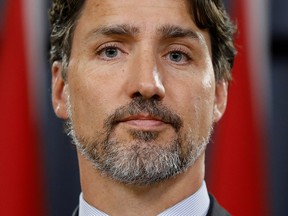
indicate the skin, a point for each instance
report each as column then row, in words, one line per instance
column 143, row 64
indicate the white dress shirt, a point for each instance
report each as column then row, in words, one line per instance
column 195, row 205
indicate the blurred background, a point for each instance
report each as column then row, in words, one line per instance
column 247, row 160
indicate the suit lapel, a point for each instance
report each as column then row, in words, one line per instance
column 76, row 211
column 215, row 209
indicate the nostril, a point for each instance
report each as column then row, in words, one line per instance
column 136, row 94
column 156, row 97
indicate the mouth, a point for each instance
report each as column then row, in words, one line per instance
column 143, row 114
column 143, row 122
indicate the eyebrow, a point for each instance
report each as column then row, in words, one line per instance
column 121, row 29
column 173, row 31
column 166, row 31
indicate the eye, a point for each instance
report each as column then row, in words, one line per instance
column 109, row 52
column 178, row 57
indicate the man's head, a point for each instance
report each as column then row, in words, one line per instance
column 141, row 83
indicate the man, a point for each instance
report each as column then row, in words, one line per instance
column 141, row 84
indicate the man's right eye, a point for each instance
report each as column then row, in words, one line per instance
column 109, row 52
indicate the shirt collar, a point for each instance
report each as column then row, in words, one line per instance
column 196, row 204
column 86, row 209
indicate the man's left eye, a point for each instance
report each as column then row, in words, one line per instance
column 178, row 57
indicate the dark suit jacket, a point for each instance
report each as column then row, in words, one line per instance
column 214, row 209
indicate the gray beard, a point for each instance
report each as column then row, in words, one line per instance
column 143, row 161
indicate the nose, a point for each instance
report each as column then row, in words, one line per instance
column 145, row 78
column 149, row 83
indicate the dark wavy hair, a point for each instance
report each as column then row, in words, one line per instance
column 207, row 14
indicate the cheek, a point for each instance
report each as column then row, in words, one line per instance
column 95, row 92
column 197, row 108
column 87, row 110
column 90, row 103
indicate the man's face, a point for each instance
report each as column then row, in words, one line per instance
column 140, row 95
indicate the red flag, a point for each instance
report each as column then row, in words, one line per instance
column 20, row 178
column 238, row 175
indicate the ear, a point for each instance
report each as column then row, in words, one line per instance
column 220, row 103
column 59, row 95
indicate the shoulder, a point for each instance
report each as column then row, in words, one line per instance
column 215, row 209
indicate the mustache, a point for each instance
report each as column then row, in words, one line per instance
column 151, row 106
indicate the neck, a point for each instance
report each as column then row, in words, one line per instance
column 113, row 197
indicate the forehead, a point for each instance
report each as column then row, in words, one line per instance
column 144, row 13
column 108, row 7
column 145, row 17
